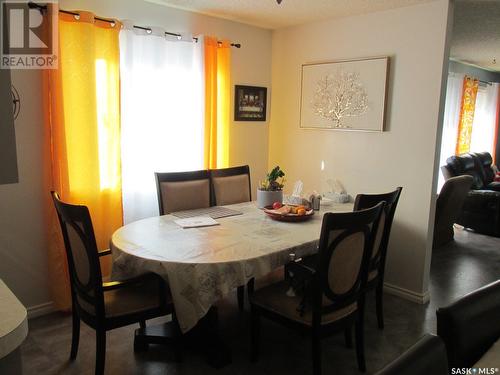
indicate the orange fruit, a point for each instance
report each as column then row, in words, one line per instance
column 301, row 211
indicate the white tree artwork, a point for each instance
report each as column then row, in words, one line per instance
column 339, row 95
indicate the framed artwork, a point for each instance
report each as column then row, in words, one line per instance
column 344, row 95
column 250, row 103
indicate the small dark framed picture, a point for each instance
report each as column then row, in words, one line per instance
column 250, row 103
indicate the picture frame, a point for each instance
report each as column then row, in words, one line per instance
column 250, row 103
column 345, row 94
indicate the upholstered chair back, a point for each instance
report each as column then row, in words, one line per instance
column 181, row 191
column 345, row 249
column 82, row 255
column 364, row 201
column 231, row 185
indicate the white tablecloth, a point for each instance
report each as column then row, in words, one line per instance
column 201, row 265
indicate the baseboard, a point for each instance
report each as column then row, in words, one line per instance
column 421, row 298
column 39, row 310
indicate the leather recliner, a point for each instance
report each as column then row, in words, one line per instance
column 470, row 326
column 481, row 209
column 426, row 357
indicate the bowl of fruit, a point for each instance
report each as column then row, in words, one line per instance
column 288, row 212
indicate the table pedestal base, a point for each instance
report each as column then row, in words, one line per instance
column 204, row 338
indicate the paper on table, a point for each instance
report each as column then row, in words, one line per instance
column 196, row 222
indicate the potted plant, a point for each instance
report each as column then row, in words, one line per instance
column 271, row 189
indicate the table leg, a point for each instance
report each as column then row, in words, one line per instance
column 204, row 338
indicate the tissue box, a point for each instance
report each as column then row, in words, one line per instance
column 293, row 199
column 340, row 197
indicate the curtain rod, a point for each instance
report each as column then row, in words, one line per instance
column 43, row 8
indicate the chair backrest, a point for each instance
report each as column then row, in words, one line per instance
column 345, row 248
column 179, row 191
column 364, row 201
column 485, row 161
column 427, row 356
column 82, row 256
column 230, row 185
column 451, row 199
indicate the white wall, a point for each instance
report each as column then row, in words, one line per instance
column 403, row 155
column 23, row 263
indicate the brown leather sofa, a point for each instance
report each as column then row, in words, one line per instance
column 481, row 209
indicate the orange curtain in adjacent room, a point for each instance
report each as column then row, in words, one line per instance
column 217, row 102
column 82, row 128
column 495, row 141
column 469, row 95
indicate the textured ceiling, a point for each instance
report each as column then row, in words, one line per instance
column 476, row 33
column 268, row 14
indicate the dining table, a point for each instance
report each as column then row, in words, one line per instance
column 204, row 264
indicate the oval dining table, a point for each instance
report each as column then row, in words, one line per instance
column 202, row 265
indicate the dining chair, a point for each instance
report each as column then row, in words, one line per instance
column 333, row 298
column 377, row 264
column 231, row 185
column 179, row 191
column 103, row 305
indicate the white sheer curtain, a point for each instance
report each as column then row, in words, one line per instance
column 451, row 118
column 485, row 115
column 162, row 111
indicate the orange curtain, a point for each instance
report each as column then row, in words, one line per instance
column 82, row 127
column 217, row 102
column 495, row 142
column 469, row 95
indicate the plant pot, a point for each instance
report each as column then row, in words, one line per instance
column 267, row 198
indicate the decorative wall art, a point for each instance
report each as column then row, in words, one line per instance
column 344, row 95
column 250, row 103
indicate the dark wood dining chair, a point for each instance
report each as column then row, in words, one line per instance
column 179, row 191
column 231, row 186
column 103, row 305
column 377, row 265
column 334, row 295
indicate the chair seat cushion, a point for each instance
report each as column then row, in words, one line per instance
column 132, row 299
column 273, row 298
column 129, row 299
column 495, row 186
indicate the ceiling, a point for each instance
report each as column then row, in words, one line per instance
column 476, row 33
column 270, row 15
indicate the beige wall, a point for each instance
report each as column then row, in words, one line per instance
column 403, row 155
column 23, row 263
